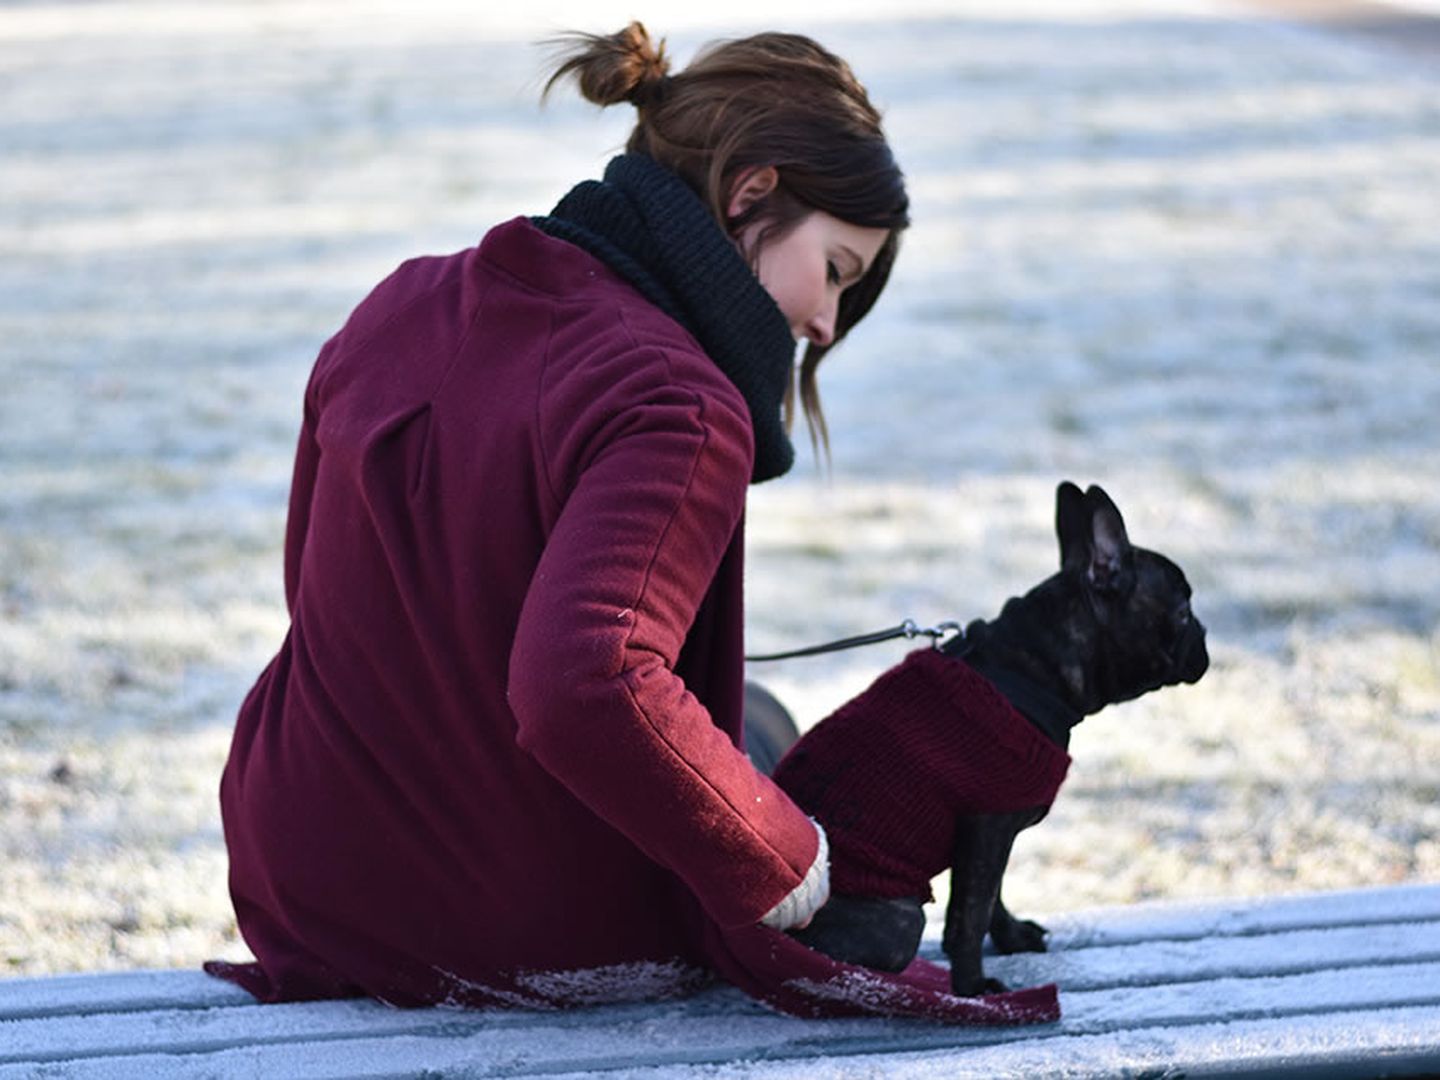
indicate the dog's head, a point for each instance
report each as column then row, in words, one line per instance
column 1145, row 634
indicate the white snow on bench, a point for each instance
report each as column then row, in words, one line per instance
column 1329, row 985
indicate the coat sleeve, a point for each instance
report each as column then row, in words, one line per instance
column 591, row 678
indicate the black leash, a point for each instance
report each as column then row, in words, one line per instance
column 909, row 630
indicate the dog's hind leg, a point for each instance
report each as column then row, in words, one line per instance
column 870, row 931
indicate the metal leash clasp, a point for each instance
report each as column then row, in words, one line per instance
column 936, row 633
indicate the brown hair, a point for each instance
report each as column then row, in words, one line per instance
column 769, row 100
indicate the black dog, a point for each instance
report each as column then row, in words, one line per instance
column 1114, row 623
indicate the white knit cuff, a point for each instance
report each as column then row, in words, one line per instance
column 809, row 896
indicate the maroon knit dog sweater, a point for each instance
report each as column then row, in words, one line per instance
column 890, row 771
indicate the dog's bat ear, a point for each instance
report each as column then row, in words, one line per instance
column 1110, row 551
column 1072, row 526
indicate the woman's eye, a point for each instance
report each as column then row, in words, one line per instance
column 832, row 273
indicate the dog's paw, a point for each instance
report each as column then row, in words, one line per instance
column 976, row 986
column 1017, row 936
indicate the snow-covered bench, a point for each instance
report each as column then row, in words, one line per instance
column 1330, row 985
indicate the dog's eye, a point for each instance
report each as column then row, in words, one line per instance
column 1182, row 615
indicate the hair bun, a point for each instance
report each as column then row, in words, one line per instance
column 624, row 66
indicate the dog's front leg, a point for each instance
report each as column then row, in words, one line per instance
column 1012, row 935
column 982, row 848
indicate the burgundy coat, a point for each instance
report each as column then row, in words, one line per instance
column 501, row 736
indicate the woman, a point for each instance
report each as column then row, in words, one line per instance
column 496, row 759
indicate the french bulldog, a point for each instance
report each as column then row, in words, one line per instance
column 1114, row 623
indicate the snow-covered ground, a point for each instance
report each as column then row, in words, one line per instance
column 1178, row 250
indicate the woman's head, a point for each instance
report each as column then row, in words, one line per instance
column 767, row 130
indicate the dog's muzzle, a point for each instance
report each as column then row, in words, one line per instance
column 1192, row 659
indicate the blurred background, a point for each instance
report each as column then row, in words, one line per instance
column 1186, row 250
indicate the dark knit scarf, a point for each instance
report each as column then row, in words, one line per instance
column 647, row 225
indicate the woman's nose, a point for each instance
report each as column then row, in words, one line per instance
column 821, row 327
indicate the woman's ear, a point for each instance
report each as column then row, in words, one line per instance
column 750, row 187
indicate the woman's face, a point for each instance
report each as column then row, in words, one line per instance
column 807, row 268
